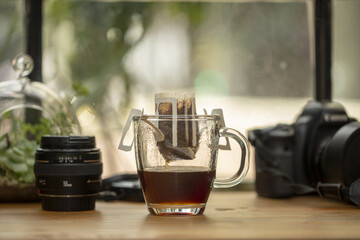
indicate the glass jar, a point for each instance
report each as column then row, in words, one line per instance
column 28, row 110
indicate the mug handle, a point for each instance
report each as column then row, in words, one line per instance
column 245, row 159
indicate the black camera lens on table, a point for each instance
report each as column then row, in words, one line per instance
column 68, row 172
column 318, row 153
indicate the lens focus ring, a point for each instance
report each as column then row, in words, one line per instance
column 68, row 169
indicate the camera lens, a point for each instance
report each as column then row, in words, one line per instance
column 68, row 172
column 340, row 163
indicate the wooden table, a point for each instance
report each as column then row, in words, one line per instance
column 229, row 215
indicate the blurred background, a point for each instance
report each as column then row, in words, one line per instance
column 253, row 59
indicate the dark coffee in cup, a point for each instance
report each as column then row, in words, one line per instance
column 177, row 186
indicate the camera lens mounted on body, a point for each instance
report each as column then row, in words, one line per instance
column 68, row 172
column 340, row 162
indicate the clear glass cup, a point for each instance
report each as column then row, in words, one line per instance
column 176, row 161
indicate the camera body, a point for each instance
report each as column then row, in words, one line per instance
column 321, row 147
column 313, row 131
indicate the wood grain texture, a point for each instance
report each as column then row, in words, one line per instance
column 229, row 215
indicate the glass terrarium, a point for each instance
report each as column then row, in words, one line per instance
column 28, row 110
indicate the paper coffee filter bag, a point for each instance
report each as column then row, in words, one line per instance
column 181, row 137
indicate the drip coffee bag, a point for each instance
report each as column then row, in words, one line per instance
column 180, row 136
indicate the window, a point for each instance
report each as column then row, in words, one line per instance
column 254, row 59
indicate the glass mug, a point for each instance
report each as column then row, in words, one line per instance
column 176, row 161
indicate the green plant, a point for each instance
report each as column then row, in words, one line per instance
column 17, row 149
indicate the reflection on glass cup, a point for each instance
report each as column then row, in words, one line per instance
column 177, row 176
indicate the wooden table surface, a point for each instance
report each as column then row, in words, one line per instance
column 229, row 215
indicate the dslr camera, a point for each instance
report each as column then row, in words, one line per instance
column 320, row 153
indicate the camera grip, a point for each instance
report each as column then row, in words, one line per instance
column 244, row 161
